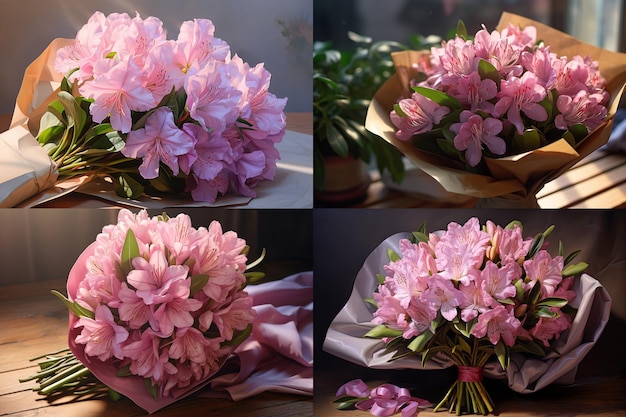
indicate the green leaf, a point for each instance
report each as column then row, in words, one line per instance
column 253, row 277
column 525, row 346
column 552, row 302
column 420, row 237
column 432, row 351
column 114, row 395
column 337, row 142
column 575, row 269
column 461, row 30
column 51, row 135
column 152, row 390
column 56, row 108
column 514, row 223
column 502, row 353
column 74, row 307
column 76, row 115
column 381, row 331
column 110, row 142
column 578, row 131
column 488, row 72
column 545, row 312
column 532, row 140
column 130, row 251
column 240, row 336
column 569, row 258
column 463, row 346
column 399, row 110
column 257, row 261
column 418, row 344
column 392, row 255
column 380, row 278
column 371, row 301
column 124, row 371
column 198, row 282
column 438, row 97
column 127, row 187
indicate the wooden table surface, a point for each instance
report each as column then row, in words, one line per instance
column 34, row 322
column 604, row 397
column 596, row 182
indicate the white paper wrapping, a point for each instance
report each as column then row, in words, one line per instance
column 25, row 169
column 525, row 374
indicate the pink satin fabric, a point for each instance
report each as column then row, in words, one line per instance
column 278, row 355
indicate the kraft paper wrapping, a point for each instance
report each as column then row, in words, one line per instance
column 25, row 168
column 525, row 374
column 516, row 178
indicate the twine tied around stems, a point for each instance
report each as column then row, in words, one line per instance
column 470, row 373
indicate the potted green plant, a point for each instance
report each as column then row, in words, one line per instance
column 344, row 82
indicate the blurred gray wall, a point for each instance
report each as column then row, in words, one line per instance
column 251, row 28
column 43, row 244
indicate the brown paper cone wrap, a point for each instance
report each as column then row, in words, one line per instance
column 39, row 87
column 521, row 175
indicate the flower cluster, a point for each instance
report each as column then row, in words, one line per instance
column 384, row 400
column 160, row 299
column 469, row 292
column 186, row 106
column 500, row 93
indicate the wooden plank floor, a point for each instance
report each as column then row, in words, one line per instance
column 596, row 182
column 603, row 397
column 34, row 322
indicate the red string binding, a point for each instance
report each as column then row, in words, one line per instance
column 470, row 374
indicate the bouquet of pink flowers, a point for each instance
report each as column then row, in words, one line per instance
column 155, row 307
column 162, row 115
column 500, row 93
column 497, row 115
column 469, row 293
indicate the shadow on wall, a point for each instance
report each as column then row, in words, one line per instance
column 276, row 32
column 37, row 245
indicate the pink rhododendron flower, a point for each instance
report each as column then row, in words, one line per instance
column 421, row 115
column 442, row 294
column 190, row 344
column 469, row 235
column 546, row 270
column 101, row 336
column 540, row 63
column 117, row 89
column 154, row 278
column 175, row 311
column 583, row 108
column 147, row 359
column 474, row 92
column 547, row 329
column 497, row 282
column 211, row 98
column 508, row 244
column 521, row 94
column 159, row 141
column 473, row 132
column 497, row 324
column 571, row 76
column 133, row 309
column 196, row 45
column 475, row 299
